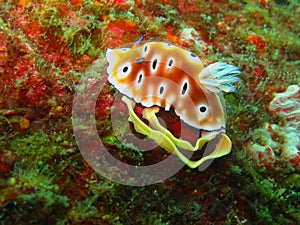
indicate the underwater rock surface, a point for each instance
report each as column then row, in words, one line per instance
column 278, row 146
column 287, row 104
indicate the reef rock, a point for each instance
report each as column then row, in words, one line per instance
column 287, row 104
column 277, row 147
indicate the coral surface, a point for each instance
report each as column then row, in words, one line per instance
column 277, row 147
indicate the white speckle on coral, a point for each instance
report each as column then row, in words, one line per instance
column 189, row 36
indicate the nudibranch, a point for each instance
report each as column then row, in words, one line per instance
column 161, row 75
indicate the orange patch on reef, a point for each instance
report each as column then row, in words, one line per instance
column 264, row 3
column 24, row 2
column 34, row 28
column 122, row 4
column 257, row 41
column 117, row 31
column 76, row 2
column 259, row 73
column 171, row 36
column 24, row 123
column 296, row 160
column 4, row 168
column 3, row 50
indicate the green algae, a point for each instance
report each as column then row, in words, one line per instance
column 292, row 180
column 33, row 181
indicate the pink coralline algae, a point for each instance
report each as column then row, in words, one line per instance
column 277, row 147
column 287, row 104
